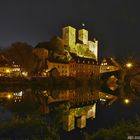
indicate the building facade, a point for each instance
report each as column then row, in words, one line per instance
column 77, row 67
column 108, row 65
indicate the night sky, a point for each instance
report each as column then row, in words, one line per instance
column 115, row 23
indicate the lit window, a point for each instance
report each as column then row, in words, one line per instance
column 108, row 68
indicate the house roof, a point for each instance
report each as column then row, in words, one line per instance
column 75, row 58
column 58, row 61
column 111, row 61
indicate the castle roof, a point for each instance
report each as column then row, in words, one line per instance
column 58, row 61
column 111, row 61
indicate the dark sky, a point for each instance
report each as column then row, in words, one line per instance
column 115, row 23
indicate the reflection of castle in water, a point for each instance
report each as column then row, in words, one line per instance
column 81, row 105
column 77, row 96
column 78, row 116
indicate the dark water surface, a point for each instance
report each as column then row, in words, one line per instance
column 51, row 106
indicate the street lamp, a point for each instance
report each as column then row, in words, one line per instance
column 129, row 65
column 126, row 101
column 9, row 96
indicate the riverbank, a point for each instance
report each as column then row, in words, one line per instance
column 120, row 131
column 39, row 128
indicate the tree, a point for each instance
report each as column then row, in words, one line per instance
column 56, row 44
column 22, row 54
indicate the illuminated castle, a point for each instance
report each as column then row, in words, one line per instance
column 80, row 45
column 79, row 57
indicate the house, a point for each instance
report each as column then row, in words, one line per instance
column 108, row 65
column 8, row 67
column 78, row 66
column 64, row 68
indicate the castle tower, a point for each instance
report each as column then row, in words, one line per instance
column 69, row 36
column 93, row 47
column 96, row 48
column 83, row 36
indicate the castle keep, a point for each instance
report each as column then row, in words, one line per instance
column 78, row 43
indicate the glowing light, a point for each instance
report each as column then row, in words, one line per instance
column 9, row 96
column 18, row 93
column 129, row 65
column 102, row 99
column 24, row 73
column 7, row 71
column 108, row 68
column 83, row 24
column 126, row 101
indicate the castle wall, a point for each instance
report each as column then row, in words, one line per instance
column 93, row 46
column 86, row 48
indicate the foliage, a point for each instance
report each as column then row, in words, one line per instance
column 57, row 50
column 56, row 44
column 84, row 50
column 21, row 53
column 30, row 127
column 120, row 131
column 43, row 45
column 41, row 62
column 89, row 53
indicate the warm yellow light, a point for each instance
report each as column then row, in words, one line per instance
column 126, row 101
column 9, row 96
column 24, row 73
column 7, row 71
column 129, row 65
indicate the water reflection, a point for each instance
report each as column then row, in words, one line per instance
column 77, row 105
column 66, row 109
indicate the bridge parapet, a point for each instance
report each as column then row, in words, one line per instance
column 107, row 68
